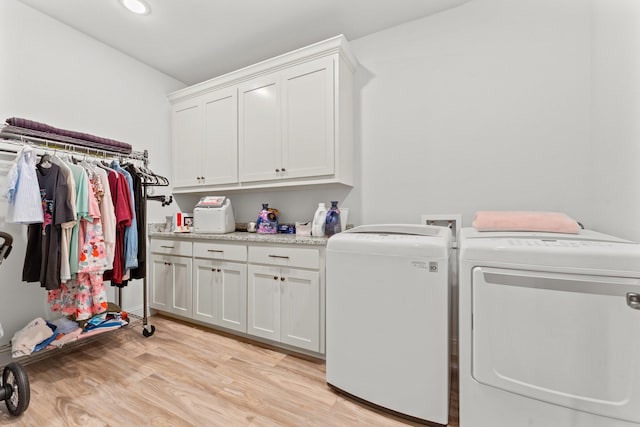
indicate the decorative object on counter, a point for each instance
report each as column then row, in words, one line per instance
column 251, row 227
column 182, row 222
column 303, row 228
column 286, row 228
column 319, row 220
column 214, row 214
column 267, row 222
column 332, row 223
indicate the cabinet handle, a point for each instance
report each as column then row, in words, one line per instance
column 284, row 170
column 278, row 256
column 282, row 279
column 167, row 247
column 167, row 263
column 275, row 277
column 215, row 250
column 277, row 170
column 218, row 270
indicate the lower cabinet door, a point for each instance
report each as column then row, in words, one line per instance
column 233, row 296
column 170, row 286
column 180, row 285
column 300, row 309
column 264, row 302
column 220, row 293
column 159, row 283
column 205, row 280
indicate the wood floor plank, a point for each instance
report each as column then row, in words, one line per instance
column 187, row 375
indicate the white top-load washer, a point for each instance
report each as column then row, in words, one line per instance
column 387, row 314
column 549, row 330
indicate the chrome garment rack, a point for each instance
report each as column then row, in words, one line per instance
column 149, row 179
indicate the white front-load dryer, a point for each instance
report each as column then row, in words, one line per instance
column 387, row 311
column 549, row 330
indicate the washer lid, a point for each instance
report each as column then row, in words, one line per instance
column 586, row 250
column 590, row 235
column 416, row 229
column 393, row 240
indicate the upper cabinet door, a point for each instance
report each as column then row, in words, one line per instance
column 187, row 142
column 260, row 127
column 308, row 119
column 220, row 138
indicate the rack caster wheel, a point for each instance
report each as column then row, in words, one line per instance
column 15, row 387
column 148, row 332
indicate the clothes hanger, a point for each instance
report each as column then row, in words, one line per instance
column 45, row 159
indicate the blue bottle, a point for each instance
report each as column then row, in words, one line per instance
column 332, row 224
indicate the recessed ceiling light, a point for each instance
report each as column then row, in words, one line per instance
column 139, row 7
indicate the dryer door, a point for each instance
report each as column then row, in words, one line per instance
column 567, row 339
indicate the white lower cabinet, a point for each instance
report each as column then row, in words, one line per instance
column 171, row 284
column 284, row 303
column 273, row 292
column 220, row 293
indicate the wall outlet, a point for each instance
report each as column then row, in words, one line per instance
column 453, row 221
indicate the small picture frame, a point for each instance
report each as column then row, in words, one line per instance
column 183, row 222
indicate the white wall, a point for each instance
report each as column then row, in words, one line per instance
column 53, row 74
column 485, row 106
column 616, row 117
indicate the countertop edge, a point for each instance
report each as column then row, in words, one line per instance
column 239, row 236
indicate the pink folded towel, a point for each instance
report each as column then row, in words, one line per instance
column 551, row 222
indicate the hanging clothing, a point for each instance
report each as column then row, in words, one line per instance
column 140, row 211
column 92, row 252
column 131, row 231
column 108, row 215
column 67, row 227
column 42, row 261
column 122, row 206
column 80, row 299
column 82, row 210
column 23, row 189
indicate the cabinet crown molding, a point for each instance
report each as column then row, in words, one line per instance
column 337, row 44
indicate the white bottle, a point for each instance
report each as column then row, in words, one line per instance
column 319, row 218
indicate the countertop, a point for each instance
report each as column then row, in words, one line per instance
column 287, row 239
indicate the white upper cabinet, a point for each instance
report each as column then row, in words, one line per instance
column 260, row 118
column 220, row 137
column 205, row 140
column 186, row 142
column 308, row 119
column 282, row 122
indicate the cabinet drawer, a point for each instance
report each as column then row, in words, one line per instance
column 285, row 256
column 219, row 251
column 171, row 247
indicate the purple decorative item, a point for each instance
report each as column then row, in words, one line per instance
column 267, row 222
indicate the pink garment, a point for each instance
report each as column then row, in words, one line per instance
column 98, row 331
column 82, row 298
column 92, row 251
column 65, row 338
column 551, row 222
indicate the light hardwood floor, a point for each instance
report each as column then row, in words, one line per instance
column 185, row 375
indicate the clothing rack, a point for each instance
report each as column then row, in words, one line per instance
column 149, row 179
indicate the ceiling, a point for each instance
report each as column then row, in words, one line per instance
column 194, row 40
